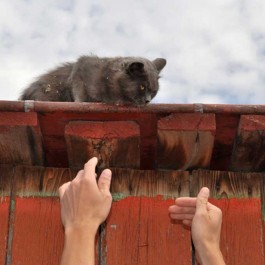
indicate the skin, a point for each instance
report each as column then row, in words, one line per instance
column 85, row 204
column 205, row 220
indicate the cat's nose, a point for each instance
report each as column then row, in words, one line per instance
column 148, row 99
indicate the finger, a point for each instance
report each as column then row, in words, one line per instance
column 63, row 188
column 176, row 209
column 90, row 169
column 104, row 181
column 79, row 175
column 186, row 201
column 202, row 200
column 187, row 222
column 181, row 216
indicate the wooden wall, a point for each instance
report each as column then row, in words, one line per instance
column 138, row 230
column 155, row 152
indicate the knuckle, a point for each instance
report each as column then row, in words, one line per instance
column 84, row 182
column 75, row 181
column 108, row 196
column 219, row 211
column 200, row 214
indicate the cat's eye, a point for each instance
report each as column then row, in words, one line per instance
column 142, row 88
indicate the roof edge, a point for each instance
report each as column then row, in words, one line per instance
column 86, row 107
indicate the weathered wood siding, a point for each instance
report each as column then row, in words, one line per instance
column 138, row 230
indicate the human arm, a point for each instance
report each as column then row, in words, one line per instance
column 85, row 204
column 205, row 220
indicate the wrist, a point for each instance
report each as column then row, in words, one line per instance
column 81, row 231
column 210, row 255
column 79, row 245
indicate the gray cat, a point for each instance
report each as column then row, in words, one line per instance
column 120, row 80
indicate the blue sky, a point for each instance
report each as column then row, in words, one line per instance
column 215, row 49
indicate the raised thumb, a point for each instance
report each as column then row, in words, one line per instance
column 202, row 199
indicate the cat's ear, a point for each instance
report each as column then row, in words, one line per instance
column 159, row 63
column 136, row 68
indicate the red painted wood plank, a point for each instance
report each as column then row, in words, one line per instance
column 139, row 231
column 242, row 236
column 18, row 119
column 185, row 141
column 53, row 129
column 6, row 174
column 38, row 232
column 4, row 207
column 188, row 122
column 251, row 123
column 115, row 143
column 167, row 243
column 121, row 233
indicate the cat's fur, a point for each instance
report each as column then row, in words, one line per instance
column 119, row 80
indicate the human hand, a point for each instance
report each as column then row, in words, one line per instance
column 205, row 220
column 84, row 202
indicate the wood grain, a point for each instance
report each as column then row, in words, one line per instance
column 225, row 184
column 20, row 139
column 249, row 148
column 226, row 131
column 116, row 144
column 127, row 182
column 53, row 178
column 185, row 141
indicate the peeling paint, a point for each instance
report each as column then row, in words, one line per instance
column 113, row 226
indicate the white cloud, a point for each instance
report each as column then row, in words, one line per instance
column 215, row 49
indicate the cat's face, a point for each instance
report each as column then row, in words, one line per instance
column 138, row 83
